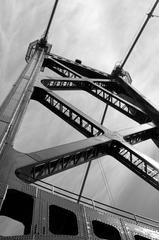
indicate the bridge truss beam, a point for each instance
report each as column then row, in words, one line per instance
column 100, row 140
column 80, row 121
column 99, row 92
column 114, row 144
column 79, row 154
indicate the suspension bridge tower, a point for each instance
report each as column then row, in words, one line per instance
column 60, row 214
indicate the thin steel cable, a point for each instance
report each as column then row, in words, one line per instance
column 106, row 183
column 84, row 180
column 50, row 20
column 149, row 15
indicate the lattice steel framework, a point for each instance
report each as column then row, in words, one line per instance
column 113, row 91
column 17, row 169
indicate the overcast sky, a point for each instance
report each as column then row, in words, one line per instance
column 99, row 32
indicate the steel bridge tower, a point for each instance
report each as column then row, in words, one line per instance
column 51, row 216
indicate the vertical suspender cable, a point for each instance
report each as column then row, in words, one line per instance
column 89, row 164
column 84, row 181
column 101, row 166
column 104, row 114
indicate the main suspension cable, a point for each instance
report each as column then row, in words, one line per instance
column 149, row 15
column 50, row 20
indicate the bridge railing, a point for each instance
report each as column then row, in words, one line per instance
column 96, row 205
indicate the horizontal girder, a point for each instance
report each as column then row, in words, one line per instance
column 141, row 101
column 73, row 69
column 85, row 124
column 106, row 96
column 79, row 68
column 67, row 84
column 141, row 133
column 74, row 154
column 143, row 166
column 80, row 121
column 83, row 152
column 67, row 68
column 60, row 69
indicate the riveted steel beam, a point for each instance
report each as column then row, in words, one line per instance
column 111, row 99
column 58, row 159
column 80, row 153
column 140, row 164
column 68, row 84
column 60, row 69
column 73, row 69
column 141, row 101
column 80, row 121
column 141, row 133
column 79, row 68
